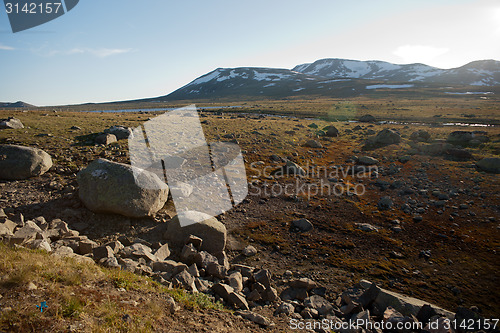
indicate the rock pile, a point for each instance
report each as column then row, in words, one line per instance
column 54, row 236
column 188, row 266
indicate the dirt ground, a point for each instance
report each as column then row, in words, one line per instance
column 462, row 234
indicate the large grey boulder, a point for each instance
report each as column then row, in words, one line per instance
column 383, row 138
column 461, row 138
column 313, row 144
column 367, row 160
column 19, row 162
column 110, row 187
column 331, row 131
column 387, row 137
column 404, row 304
column 208, row 228
column 105, row 139
column 302, row 224
column 489, row 164
column 121, row 132
column 420, row 136
column 11, row 123
column 367, row 118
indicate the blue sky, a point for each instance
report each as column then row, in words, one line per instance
column 108, row 50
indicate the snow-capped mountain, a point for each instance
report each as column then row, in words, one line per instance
column 333, row 77
column 485, row 72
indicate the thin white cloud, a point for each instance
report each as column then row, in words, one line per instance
column 419, row 53
column 103, row 53
column 6, row 48
column 97, row 52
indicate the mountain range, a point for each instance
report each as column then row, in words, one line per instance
column 333, row 77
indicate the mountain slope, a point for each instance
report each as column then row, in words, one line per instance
column 334, row 78
column 252, row 81
column 18, row 104
column 484, row 72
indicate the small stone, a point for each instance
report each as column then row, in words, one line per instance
column 196, row 241
column 31, row 286
column 171, row 305
column 162, row 253
column 102, row 252
column 249, row 251
column 105, row 139
column 285, row 308
column 385, row 203
column 235, row 280
column 366, row 227
column 302, row 224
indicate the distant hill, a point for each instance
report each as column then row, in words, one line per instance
column 18, row 104
column 332, row 77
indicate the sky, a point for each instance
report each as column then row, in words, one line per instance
column 110, row 50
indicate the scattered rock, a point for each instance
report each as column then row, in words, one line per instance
column 184, row 280
column 19, row 162
column 367, row 160
column 420, row 136
column 105, row 139
column 459, row 154
column 138, row 250
column 383, row 138
column 235, row 280
column 86, row 246
column 40, row 244
column 303, row 283
column 385, row 203
column 366, row 227
column 249, row 251
column 331, row 131
column 460, row 138
column 238, row 301
column 223, row 290
column 405, row 305
column 302, row 224
column 256, row 318
column 110, row 187
column 120, row 132
column 285, row 308
column 11, row 123
column 313, row 144
column 290, row 168
column 489, row 164
column 162, row 253
column 367, row 118
column 319, row 304
column 172, row 307
column 102, row 252
column 209, row 229
column 387, row 137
